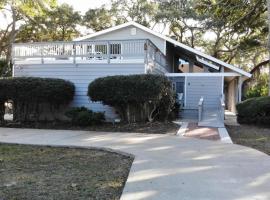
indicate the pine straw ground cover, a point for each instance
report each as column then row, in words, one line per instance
column 40, row 172
column 251, row 136
column 153, row 128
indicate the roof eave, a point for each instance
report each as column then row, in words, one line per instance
column 236, row 69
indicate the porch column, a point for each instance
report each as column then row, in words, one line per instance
column 205, row 69
column 191, row 64
column 240, row 83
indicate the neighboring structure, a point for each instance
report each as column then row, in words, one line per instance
column 131, row 48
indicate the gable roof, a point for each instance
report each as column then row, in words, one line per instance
column 168, row 39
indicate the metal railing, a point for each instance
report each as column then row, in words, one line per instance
column 200, row 109
column 222, row 108
column 107, row 51
column 155, row 59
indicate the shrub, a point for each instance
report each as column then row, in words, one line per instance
column 30, row 95
column 255, row 111
column 135, row 97
column 259, row 88
column 81, row 116
column 5, row 68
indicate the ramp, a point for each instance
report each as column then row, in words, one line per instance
column 211, row 117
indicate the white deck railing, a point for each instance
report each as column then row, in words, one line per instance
column 112, row 51
column 222, row 108
column 200, row 109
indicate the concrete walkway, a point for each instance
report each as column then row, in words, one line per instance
column 171, row 167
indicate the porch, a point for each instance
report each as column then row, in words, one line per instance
column 203, row 97
column 91, row 52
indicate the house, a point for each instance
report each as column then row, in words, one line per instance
column 131, row 48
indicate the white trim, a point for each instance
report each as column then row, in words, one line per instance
column 185, row 94
column 103, row 31
column 222, row 86
column 236, row 69
column 224, row 136
column 182, row 130
column 207, row 63
column 202, row 74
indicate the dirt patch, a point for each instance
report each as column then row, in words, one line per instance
column 34, row 172
column 251, row 136
column 155, row 127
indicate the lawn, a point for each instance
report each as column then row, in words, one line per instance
column 251, row 136
column 36, row 172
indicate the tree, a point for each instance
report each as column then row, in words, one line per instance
column 58, row 24
column 231, row 30
column 23, row 11
column 62, row 23
column 98, row 19
column 140, row 11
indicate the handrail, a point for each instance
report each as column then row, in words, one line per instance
column 200, row 108
column 142, row 50
column 222, row 108
column 155, row 59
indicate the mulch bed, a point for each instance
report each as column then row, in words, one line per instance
column 251, row 136
column 155, row 127
column 36, row 172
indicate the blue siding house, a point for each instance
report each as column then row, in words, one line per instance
column 131, row 48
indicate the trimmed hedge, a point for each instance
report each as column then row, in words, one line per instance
column 135, row 97
column 30, row 95
column 254, row 111
column 81, row 116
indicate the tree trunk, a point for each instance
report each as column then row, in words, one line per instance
column 11, row 41
column 268, row 13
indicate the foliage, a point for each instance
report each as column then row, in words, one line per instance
column 140, row 11
column 98, row 19
column 3, row 67
column 254, row 111
column 81, row 116
column 30, row 95
column 259, row 88
column 59, row 24
column 21, row 12
column 135, row 97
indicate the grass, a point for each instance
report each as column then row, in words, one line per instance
column 36, row 172
column 251, row 136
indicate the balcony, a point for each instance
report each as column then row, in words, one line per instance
column 87, row 52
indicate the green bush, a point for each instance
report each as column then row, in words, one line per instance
column 81, row 116
column 259, row 88
column 135, row 97
column 30, row 95
column 5, row 69
column 254, row 111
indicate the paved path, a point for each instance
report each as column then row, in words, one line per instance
column 195, row 131
column 171, row 167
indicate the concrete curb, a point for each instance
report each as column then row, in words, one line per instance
column 224, row 136
column 77, row 147
column 182, row 129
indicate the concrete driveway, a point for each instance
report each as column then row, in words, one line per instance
column 170, row 167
